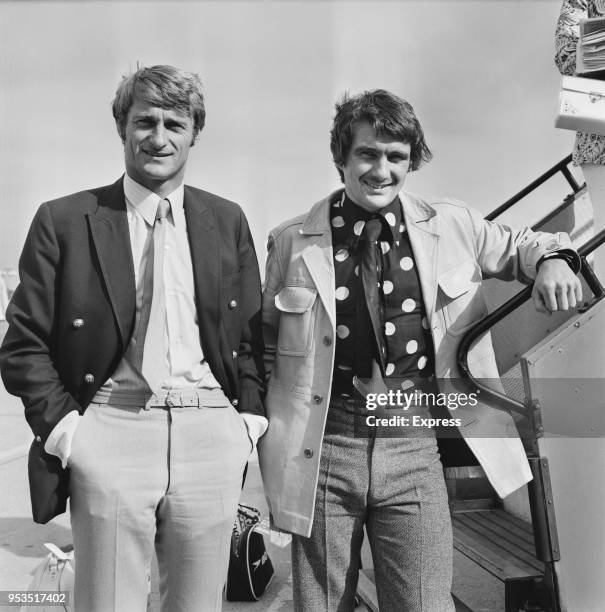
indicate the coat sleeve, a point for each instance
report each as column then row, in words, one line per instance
column 506, row 253
column 26, row 355
column 250, row 353
column 567, row 33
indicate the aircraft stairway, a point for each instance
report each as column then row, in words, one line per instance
column 553, row 378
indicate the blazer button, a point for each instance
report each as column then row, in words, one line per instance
column 234, row 353
column 235, row 402
column 317, row 399
column 89, row 379
column 38, row 439
column 232, row 305
column 308, row 453
column 77, row 323
column 327, row 340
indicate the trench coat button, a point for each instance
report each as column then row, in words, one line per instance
column 232, row 305
column 89, row 379
column 317, row 399
column 234, row 353
column 235, row 402
column 77, row 323
column 327, row 340
column 38, row 439
column 308, row 453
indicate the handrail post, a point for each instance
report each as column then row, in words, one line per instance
column 570, row 179
column 592, row 280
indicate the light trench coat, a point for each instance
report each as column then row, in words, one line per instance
column 454, row 248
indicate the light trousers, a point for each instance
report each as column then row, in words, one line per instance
column 395, row 487
column 169, row 477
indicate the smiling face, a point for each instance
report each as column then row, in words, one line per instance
column 375, row 169
column 156, row 146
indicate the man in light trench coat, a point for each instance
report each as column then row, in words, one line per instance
column 377, row 283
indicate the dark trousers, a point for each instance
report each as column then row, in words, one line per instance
column 394, row 487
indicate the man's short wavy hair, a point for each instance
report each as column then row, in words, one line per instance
column 163, row 86
column 388, row 114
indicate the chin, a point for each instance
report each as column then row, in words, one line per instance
column 377, row 202
column 157, row 174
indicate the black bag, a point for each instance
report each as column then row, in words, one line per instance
column 250, row 569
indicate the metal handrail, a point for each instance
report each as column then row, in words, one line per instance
column 503, row 402
column 560, row 167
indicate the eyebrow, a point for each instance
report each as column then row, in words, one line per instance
column 177, row 120
column 365, row 149
column 143, row 115
column 369, row 149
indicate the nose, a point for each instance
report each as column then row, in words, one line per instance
column 157, row 137
column 381, row 169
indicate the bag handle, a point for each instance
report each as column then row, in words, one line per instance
column 57, row 552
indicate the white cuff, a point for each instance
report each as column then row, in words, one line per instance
column 58, row 442
column 256, row 424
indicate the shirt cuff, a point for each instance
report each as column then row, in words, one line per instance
column 256, row 425
column 59, row 440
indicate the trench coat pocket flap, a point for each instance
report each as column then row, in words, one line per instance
column 295, row 299
column 458, row 280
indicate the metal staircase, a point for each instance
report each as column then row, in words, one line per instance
column 517, row 543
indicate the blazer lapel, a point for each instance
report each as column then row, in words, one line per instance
column 111, row 239
column 422, row 225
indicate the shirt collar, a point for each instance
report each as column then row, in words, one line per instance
column 352, row 213
column 145, row 202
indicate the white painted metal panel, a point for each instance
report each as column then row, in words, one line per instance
column 566, row 374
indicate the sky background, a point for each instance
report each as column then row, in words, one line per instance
column 479, row 73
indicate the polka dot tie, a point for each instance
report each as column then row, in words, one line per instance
column 371, row 265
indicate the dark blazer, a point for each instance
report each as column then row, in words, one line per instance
column 77, row 264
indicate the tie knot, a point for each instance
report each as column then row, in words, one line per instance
column 163, row 209
column 372, row 229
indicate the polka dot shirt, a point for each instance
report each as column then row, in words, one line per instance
column 409, row 356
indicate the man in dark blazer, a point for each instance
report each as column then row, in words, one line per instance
column 135, row 344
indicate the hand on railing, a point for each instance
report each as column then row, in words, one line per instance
column 556, row 287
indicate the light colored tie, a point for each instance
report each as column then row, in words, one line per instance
column 152, row 328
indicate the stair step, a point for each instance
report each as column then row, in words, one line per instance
column 498, row 542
